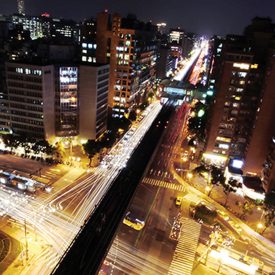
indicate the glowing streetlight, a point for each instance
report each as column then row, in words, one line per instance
column 207, row 189
column 201, row 113
column 260, row 225
column 184, row 159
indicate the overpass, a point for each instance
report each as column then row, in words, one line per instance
column 90, row 246
column 175, row 88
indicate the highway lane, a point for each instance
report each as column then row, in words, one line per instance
column 153, row 243
column 58, row 219
column 162, row 168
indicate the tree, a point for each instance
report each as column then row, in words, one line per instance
column 201, row 169
column 215, row 175
column 269, row 208
column 228, row 188
column 216, row 178
column 10, row 141
column 247, row 207
column 132, row 115
column 90, row 148
column 197, row 123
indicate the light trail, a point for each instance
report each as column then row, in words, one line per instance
column 58, row 228
column 182, row 73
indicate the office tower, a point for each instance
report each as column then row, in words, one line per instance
column 54, row 100
column 46, row 27
column 166, row 63
column 87, row 40
column 93, row 98
column 28, row 106
column 21, row 7
column 241, row 123
column 260, row 152
column 130, row 47
column 268, row 171
column 176, row 36
column 236, row 101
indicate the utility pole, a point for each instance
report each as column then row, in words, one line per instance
column 26, row 241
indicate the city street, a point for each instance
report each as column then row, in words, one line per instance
column 54, row 220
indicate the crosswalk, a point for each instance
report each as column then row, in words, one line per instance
column 164, row 184
column 184, row 256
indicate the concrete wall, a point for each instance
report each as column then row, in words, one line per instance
column 48, row 82
column 264, row 125
column 87, row 101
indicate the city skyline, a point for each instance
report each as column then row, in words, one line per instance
column 215, row 16
column 148, row 148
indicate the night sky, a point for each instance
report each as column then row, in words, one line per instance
column 200, row 16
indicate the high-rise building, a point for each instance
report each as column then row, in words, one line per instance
column 55, row 100
column 130, row 47
column 87, row 41
column 93, row 98
column 166, row 63
column 235, row 104
column 176, row 36
column 260, row 152
column 46, row 27
column 268, row 171
column 241, row 123
column 20, row 6
column 28, row 103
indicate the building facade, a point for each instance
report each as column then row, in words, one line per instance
column 241, row 124
column 46, row 27
column 20, row 6
column 130, row 49
column 27, row 105
column 93, row 100
column 56, row 100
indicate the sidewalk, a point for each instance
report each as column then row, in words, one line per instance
column 36, row 245
column 252, row 220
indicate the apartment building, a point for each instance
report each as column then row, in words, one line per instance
column 55, row 100
column 129, row 46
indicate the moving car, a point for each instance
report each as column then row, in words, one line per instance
column 133, row 222
column 178, row 200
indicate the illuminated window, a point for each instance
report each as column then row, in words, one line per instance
column 254, row 66
column 242, row 74
column 223, row 139
column 84, row 51
column 224, row 146
column 242, row 82
column 243, row 66
column 84, row 45
column 84, row 58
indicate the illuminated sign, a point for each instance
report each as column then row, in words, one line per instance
column 177, row 91
column 243, row 66
column 254, row 66
column 236, row 163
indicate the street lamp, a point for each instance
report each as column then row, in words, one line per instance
column 189, row 175
column 260, row 226
column 207, row 190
